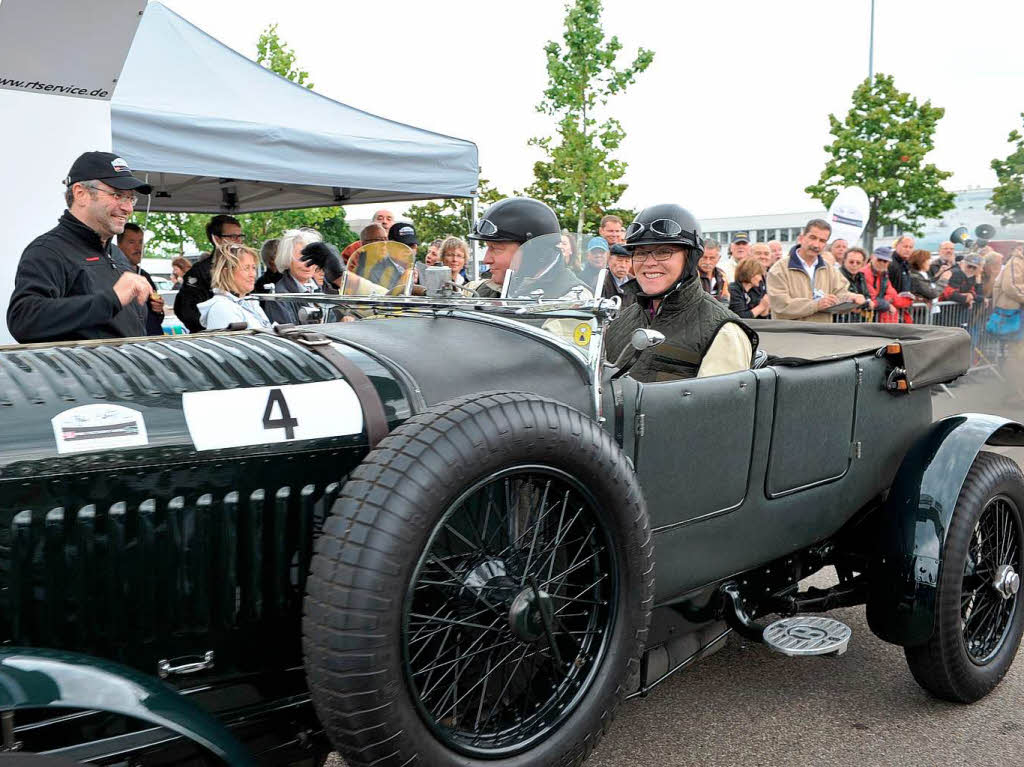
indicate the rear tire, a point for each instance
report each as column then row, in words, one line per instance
column 977, row 629
column 463, row 517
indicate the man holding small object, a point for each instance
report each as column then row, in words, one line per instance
column 805, row 286
column 73, row 282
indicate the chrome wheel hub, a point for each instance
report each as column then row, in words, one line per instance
column 1006, row 582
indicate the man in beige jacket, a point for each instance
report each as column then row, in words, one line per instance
column 804, row 285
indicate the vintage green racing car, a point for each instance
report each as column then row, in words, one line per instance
column 445, row 534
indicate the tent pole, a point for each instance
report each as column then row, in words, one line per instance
column 476, row 249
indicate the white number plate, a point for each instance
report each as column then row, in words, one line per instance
column 270, row 414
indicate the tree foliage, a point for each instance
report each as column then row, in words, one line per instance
column 273, row 54
column 438, row 219
column 178, row 233
column 1008, row 195
column 580, row 179
column 880, row 147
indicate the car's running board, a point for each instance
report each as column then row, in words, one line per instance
column 703, row 651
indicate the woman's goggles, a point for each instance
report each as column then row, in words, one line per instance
column 661, row 227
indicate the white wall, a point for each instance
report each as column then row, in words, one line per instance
column 40, row 136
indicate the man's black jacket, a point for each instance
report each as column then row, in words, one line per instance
column 195, row 288
column 899, row 274
column 63, row 289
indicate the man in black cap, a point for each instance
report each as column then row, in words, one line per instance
column 73, row 282
column 739, row 250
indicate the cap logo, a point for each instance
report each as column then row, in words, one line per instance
column 406, row 230
column 120, row 165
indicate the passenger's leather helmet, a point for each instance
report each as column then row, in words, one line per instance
column 516, row 219
column 668, row 224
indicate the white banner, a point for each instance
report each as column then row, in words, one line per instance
column 66, row 47
column 849, row 214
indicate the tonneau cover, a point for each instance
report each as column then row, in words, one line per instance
column 931, row 354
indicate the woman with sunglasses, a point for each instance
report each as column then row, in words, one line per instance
column 702, row 337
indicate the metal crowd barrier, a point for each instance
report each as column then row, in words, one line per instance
column 987, row 350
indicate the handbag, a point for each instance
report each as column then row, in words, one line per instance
column 1004, row 322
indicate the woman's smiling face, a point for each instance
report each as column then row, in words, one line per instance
column 657, row 276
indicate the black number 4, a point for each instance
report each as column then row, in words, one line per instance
column 286, row 421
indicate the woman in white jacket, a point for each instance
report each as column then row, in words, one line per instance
column 233, row 277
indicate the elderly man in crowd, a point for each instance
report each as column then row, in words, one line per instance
column 130, row 243
column 804, row 286
column 775, row 249
column 943, row 266
column 620, row 279
column 739, row 250
column 838, row 250
column 385, row 218
column 72, row 282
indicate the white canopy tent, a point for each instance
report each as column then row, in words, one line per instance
column 216, row 132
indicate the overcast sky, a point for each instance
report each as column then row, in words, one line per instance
column 731, row 117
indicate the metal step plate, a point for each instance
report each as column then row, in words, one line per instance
column 808, row 635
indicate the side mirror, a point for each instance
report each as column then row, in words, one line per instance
column 641, row 340
column 644, row 339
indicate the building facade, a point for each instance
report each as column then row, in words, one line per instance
column 969, row 210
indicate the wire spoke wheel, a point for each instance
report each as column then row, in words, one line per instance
column 482, row 590
column 977, row 623
column 509, row 610
column 991, row 580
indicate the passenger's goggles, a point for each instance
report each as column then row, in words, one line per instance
column 661, row 227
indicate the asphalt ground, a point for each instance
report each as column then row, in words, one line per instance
column 748, row 706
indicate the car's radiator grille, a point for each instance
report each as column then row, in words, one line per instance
column 152, row 578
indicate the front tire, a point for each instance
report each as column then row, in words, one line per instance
column 978, row 616
column 482, row 589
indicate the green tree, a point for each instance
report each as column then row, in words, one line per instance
column 580, row 178
column 880, row 147
column 180, row 232
column 274, row 54
column 1008, row 196
column 437, row 219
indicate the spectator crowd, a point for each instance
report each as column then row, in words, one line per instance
column 84, row 279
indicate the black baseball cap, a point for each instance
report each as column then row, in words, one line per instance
column 108, row 168
column 403, row 232
column 620, row 251
column 740, row 237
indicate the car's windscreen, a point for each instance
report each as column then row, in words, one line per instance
column 548, row 270
column 379, row 268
